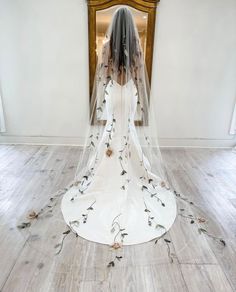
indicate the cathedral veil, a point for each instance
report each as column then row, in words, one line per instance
column 120, row 194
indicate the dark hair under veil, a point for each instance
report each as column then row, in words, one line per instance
column 123, row 40
column 122, row 59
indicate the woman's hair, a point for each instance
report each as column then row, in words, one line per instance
column 124, row 44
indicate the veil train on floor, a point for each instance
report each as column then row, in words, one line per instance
column 121, row 193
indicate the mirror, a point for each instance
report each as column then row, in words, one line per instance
column 99, row 16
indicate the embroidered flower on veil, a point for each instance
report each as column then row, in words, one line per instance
column 109, row 152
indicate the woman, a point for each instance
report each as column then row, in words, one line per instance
column 120, row 194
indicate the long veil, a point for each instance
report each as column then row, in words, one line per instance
column 121, row 129
column 120, row 166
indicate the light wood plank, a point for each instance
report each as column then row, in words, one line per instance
column 205, row 278
column 31, row 174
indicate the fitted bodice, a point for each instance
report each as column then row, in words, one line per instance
column 121, row 101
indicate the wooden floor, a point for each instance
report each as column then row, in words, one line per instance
column 28, row 261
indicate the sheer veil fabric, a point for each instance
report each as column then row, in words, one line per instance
column 120, row 194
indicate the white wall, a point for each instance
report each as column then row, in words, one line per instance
column 44, row 70
column 195, row 69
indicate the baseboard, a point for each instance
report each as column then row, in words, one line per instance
column 198, row 142
column 41, row 140
column 78, row 141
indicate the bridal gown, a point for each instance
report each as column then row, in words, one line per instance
column 115, row 204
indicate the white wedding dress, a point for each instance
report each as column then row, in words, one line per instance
column 116, row 204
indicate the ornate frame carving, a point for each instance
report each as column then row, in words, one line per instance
column 148, row 6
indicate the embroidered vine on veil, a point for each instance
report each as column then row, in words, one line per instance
column 120, row 194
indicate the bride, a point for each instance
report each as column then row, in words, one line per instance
column 120, row 195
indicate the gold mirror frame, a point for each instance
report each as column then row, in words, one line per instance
column 148, row 6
